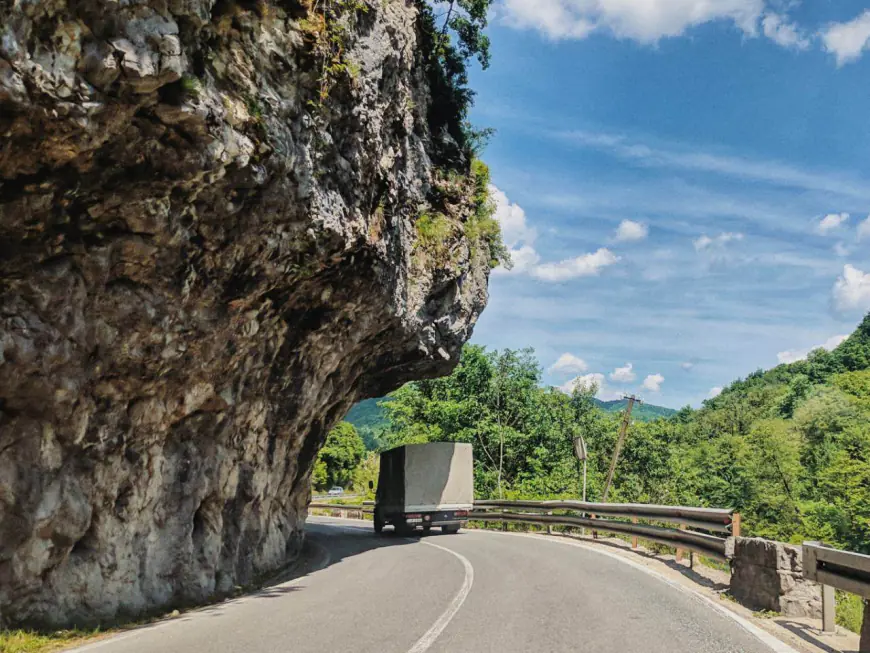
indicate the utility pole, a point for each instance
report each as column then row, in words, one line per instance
column 623, row 432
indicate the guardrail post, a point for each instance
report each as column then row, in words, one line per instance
column 680, row 552
column 549, row 528
column 634, row 538
column 865, row 630
column 735, row 524
column 829, row 609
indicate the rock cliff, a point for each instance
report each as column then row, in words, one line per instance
column 216, row 235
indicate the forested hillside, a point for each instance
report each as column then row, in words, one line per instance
column 642, row 412
column 789, row 448
column 371, row 418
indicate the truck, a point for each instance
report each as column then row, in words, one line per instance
column 425, row 485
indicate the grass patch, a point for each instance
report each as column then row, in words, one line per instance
column 713, row 563
column 434, row 231
column 27, row 641
column 850, row 611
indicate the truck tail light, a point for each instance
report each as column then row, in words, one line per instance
column 414, row 516
column 462, row 513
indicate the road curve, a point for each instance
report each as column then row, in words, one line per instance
column 476, row 591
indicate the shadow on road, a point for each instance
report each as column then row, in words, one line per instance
column 806, row 633
column 342, row 540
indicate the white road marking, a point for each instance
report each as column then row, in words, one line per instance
column 768, row 639
column 425, row 642
column 438, row 627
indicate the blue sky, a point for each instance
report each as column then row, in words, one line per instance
column 684, row 184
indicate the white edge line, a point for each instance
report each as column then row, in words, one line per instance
column 432, row 634
column 766, row 638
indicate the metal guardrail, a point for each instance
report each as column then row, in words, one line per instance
column 843, row 570
column 708, row 519
column 365, row 508
column 338, row 506
column 835, row 569
column 327, row 497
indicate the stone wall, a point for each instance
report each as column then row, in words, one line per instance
column 769, row 576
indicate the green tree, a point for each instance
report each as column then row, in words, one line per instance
column 468, row 20
column 368, row 470
column 318, row 476
column 343, row 451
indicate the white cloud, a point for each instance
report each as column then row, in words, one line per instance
column 714, row 392
column 653, row 383
column 512, row 219
column 629, row 230
column 569, row 364
column 783, row 33
column 646, row 21
column 623, row 374
column 687, row 365
column 832, row 221
column 703, row 242
column 588, row 265
column 585, row 382
column 864, row 229
column 604, row 393
column 517, row 235
column 852, row 291
column 847, row 41
column 706, row 242
column 841, row 250
column 796, row 355
column 520, row 239
column 523, row 260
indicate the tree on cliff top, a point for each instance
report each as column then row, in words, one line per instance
column 452, row 33
column 467, row 19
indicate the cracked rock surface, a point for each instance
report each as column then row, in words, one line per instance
column 201, row 269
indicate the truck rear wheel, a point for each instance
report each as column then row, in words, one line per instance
column 379, row 521
column 450, row 530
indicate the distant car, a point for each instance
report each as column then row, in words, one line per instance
column 335, row 491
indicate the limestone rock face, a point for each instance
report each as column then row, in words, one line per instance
column 208, row 253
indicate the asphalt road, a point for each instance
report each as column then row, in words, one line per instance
column 475, row 591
